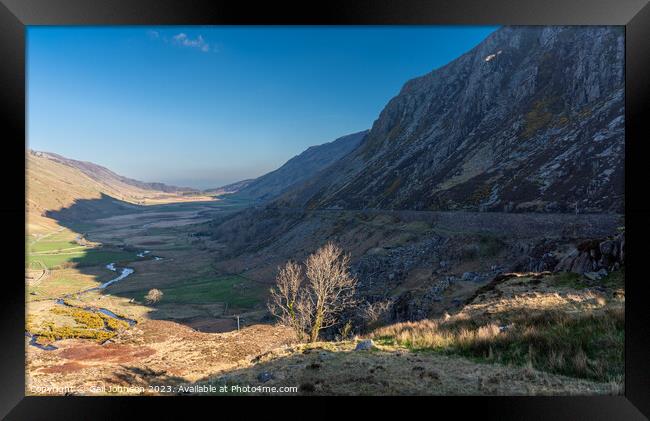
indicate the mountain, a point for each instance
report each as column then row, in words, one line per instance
column 109, row 179
column 229, row 188
column 54, row 182
column 301, row 167
column 531, row 119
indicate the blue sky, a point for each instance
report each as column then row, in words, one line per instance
column 206, row 106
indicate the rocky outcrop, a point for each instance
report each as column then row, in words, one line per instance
column 409, row 307
column 594, row 256
column 386, row 268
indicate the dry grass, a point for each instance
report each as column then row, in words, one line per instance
column 534, row 322
column 586, row 346
column 334, row 368
column 155, row 346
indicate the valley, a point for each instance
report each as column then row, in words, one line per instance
column 209, row 280
column 481, row 229
column 72, row 276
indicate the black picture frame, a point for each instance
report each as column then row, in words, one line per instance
column 15, row 15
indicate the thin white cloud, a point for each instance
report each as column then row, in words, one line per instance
column 185, row 41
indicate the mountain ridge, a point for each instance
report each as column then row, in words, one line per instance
column 301, row 167
column 55, row 183
column 531, row 119
column 101, row 174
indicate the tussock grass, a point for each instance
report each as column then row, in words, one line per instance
column 614, row 279
column 588, row 346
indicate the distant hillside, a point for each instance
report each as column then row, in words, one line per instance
column 229, row 188
column 531, row 119
column 301, row 167
column 54, row 182
column 110, row 179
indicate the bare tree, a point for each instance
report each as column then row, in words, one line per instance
column 329, row 291
column 153, row 296
column 287, row 301
column 331, row 287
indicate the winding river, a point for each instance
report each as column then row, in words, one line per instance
column 124, row 272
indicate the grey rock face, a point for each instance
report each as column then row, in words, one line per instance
column 531, row 119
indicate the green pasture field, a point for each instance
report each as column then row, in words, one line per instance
column 234, row 290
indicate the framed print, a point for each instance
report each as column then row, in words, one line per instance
column 368, row 199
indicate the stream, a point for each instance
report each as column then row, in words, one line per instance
column 124, row 272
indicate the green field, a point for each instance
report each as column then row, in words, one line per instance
column 51, row 242
column 49, row 246
column 58, row 286
column 88, row 257
column 234, row 290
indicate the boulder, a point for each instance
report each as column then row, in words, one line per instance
column 365, row 345
column 594, row 276
column 264, row 376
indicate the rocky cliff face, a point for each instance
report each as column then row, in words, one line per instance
column 532, row 119
column 301, row 167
